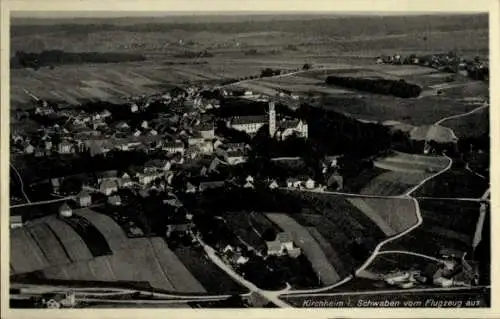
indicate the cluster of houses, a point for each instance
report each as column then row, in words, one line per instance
column 445, row 61
column 283, row 245
column 453, row 270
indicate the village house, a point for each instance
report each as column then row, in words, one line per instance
column 56, row 184
column 190, row 188
column 83, row 199
column 65, row 210
column 335, row 182
column 65, row 147
column 134, row 108
column 292, row 182
column 174, row 147
column 178, row 228
column 148, row 177
column 107, row 187
column 105, row 114
column 235, row 157
column 273, row 184
column 122, row 126
column 207, row 130
column 16, row 221
column 281, row 245
column 209, row 185
column 114, row 200
column 29, row 149
column 107, row 175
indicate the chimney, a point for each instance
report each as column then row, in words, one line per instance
column 272, row 119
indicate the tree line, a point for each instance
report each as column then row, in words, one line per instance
column 52, row 58
column 381, row 86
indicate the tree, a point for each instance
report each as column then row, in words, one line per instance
column 306, row 66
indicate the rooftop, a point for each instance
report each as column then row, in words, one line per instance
column 249, row 119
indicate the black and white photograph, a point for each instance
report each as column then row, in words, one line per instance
column 261, row 159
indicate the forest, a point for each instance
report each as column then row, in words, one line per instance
column 399, row 88
column 52, row 58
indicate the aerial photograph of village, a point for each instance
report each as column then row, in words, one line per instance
column 268, row 160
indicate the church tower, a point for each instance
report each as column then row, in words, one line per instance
column 272, row 119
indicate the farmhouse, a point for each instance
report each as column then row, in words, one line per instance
column 107, row 187
column 83, row 199
column 281, row 245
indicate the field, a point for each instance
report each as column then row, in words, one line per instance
column 392, row 216
column 392, row 262
column 400, row 172
column 328, row 41
column 146, row 262
column 250, row 227
column 454, row 183
column 472, row 125
column 446, row 224
column 311, row 249
column 350, row 233
column 212, row 278
column 55, row 248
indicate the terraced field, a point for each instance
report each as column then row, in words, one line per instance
column 56, row 249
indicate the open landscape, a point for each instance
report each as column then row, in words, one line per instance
column 260, row 161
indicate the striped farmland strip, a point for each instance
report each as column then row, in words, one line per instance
column 114, row 234
column 180, row 277
column 73, row 243
column 101, row 268
column 138, row 264
column 25, row 255
column 360, row 204
column 49, row 244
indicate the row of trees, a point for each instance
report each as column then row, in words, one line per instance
column 381, row 86
column 194, row 55
column 52, row 58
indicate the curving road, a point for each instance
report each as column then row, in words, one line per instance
column 272, row 296
column 44, row 202
column 461, row 114
column 20, row 182
column 414, row 188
